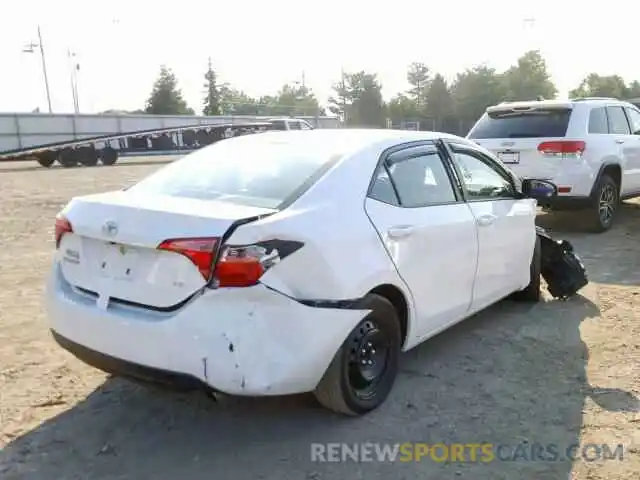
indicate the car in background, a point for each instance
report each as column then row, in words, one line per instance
column 293, row 262
column 289, row 124
column 588, row 147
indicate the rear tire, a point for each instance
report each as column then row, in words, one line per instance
column 601, row 215
column 68, row 158
column 364, row 369
column 46, row 159
column 532, row 292
column 108, row 156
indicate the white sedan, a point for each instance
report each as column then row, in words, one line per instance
column 290, row 262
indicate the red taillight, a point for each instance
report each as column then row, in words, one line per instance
column 62, row 226
column 562, row 147
column 200, row 251
column 237, row 266
column 240, row 266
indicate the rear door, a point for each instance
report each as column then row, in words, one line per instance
column 429, row 232
column 506, row 225
column 517, row 136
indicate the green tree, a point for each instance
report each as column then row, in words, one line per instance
column 401, row 107
column 474, row 90
column 293, row 100
column 359, row 100
column 212, row 98
column 440, row 106
column 419, row 77
column 633, row 90
column 166, row 97
column 236, row 102
column 529, row 79
column 595, row 85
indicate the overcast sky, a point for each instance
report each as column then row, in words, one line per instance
column 258, row 45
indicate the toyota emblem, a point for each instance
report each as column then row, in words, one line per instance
column 110, row 228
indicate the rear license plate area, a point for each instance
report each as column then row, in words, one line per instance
column 118, row 262
column 509, row 157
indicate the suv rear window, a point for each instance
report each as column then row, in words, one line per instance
column 244, row 170
column 533, row 124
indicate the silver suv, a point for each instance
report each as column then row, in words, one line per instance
column 588, row 147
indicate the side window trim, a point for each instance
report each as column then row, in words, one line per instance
column 413, row 148
column 496, row 167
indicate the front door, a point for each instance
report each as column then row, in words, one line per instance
column 506, row 225
column 429, row 233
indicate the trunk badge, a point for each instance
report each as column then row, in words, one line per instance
column 110, row 228
column 508, row 144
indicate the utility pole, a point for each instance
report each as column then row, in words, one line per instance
column 73, row 68
column 30, row 49
column 344, row 98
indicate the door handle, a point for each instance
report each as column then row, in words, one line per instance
column 486, row 220
column 619, row 141
column 400, row 231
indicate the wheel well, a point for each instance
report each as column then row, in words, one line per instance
column 615, row 172
column 399, row 302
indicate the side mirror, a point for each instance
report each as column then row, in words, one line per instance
column 538, row 189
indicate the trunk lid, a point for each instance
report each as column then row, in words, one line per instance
column 112, row 252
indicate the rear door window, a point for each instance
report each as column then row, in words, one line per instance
column 294, row 125
column 618, row 121
column 531, row 124
column 598, row 121
column 634, row 120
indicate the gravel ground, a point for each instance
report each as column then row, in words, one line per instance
column 555, row 373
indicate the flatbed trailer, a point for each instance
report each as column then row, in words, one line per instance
column 107, row 149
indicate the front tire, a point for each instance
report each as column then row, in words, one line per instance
column 532, row 292
column 364, row 369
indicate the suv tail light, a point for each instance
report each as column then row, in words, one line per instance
column 562, row 148
column 237, row 266
column 62, row 226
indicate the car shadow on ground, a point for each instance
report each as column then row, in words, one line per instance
column 610, row 257
column 513, row 375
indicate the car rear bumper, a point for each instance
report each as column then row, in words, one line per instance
column 245, row 341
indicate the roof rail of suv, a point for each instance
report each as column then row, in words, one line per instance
column 584, row 99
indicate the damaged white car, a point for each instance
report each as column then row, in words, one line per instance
column 292, row 262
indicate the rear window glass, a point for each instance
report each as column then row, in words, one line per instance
column 538, row 123
column 243, row 171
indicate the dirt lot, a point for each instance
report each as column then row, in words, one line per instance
column 555, row 373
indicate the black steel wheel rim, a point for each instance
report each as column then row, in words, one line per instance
column 606, row 204
column 369, row 353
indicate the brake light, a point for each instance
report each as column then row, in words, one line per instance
column 200, row 251
column 562, row 148
column 237, row 266
column 62, row 226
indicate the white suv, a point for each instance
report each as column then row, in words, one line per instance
column 588, row 147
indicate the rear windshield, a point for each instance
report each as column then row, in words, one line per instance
column 539, row 123
column 244, row 170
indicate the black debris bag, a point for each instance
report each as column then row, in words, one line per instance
column 562, row 269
